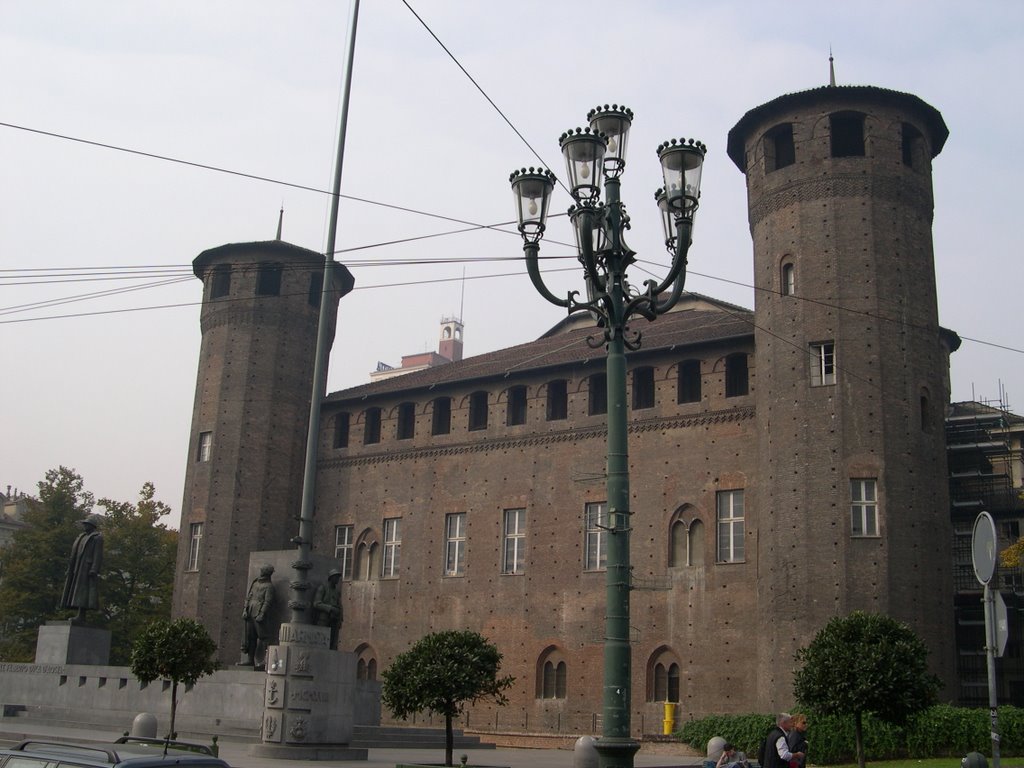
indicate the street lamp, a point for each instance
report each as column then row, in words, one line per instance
column 592, row 155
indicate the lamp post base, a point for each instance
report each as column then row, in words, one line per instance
column 615, row 752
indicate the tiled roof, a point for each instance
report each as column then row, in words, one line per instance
column 681, row 328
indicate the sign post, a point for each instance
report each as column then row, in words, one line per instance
column 983, row 558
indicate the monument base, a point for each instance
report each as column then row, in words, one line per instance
column 64, row 642
column 308, row 752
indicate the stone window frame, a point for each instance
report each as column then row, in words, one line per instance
column 455, row 541
column 514, row 539
column 391, row 560
column 730, row 520
column 595, row 536
column 663, row 677
column 865, row 522
column 552, row 674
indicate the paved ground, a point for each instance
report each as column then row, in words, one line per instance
column 237, row 753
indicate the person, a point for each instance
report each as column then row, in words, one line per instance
column 81, row 584
column 327, row 611
column 796, row 739
column 731, row 758
column 256, row 615
column 776, row 749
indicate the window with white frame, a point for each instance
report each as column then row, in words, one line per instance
column 205, row 446
column 788, row 279
column 514, row 559
column 195, row 538
column 864, row 507
column 392, row 547
column 823, row 363
column 595, row 525
column 730, row 526
column 455, row 544
column 343, row 551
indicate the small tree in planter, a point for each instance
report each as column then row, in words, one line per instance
column 442, row 673
column 180, row 651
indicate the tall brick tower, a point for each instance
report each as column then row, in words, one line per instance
column 852, row 370
column 243, row 483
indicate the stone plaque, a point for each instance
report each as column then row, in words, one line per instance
column 272, row 730
column 274, row 694
column 307, row 695
column 306, row 634
column 277, row 660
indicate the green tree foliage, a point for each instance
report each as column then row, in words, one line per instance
column 865, row 664
column 35, row 561
column 138, row 568
column 442, row 673
column 180, row 651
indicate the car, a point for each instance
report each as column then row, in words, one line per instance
column 130, row 753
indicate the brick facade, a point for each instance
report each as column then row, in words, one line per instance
column 723, row 596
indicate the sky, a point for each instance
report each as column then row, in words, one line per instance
column 99, row 310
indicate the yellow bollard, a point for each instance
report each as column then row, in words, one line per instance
column 668, row 724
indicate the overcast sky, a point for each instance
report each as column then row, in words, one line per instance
column 104, row 383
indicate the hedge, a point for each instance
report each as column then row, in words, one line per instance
column 939, row 731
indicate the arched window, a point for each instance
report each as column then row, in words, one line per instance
column 366, row 665
column 220, row 283
column 663, row 676
column 677, row 544
column 686, row 538
column 688, row 390
column 788, row 279
column 406, row 421
column 695, row 544
column 478, row 410
column 558, row 400
column 371, row 426
column 913, row 147
column 926, row 410
column 268, row 280
column 597, row 401
column 643, row 387
column 365, row 566
column 779, row 149
column 552, row 674
column 441, row 423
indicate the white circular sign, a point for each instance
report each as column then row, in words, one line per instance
column 983, row 548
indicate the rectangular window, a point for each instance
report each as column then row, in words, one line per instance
column 205, row 446
column 823, row 363
column 514, row 560
column 737, row 377
column 595, row 525
column 455, row 544
column 195, row 538
column 221, row 283
column 730, row 526
column 689, row 382
column 343, row 549
column 442, row 419
column 371, row 430
column 340, row 430
column 392, row 547
column 643, row 387
column 864, row 507
column 516, row 406
column 406, row 421
column 597, row 403
column 268, row 280
column 477, row 411
column 847, row 132
column 316, row 289
column 558, row 400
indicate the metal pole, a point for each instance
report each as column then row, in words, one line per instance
column 990, row 659
column 300, row 585
column 616, row 748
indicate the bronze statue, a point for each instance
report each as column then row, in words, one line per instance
column 81, row 585
column 327, row 606
column 256, row 615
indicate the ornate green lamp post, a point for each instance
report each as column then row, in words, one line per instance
column 594, row 155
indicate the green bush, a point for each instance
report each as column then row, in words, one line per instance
column 939, row 731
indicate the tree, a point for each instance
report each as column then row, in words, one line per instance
column 138, row 569
column 35, row 561
column 865, row 664
column 441, row 673
column 180, row 651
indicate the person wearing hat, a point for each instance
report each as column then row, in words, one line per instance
column 327, row 606
column 81, row 585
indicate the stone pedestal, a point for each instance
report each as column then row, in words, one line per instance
column 61, row 642
column 310, row 698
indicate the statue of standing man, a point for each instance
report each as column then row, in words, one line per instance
column 327, row 606
column 256, row 615
column 81, row 585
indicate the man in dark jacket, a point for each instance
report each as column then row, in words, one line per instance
column 81, row 585
column 776, row 750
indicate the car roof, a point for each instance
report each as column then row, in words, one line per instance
column 126, row 755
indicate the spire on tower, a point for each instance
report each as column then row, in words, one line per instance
column 280, row 222
column 831, row 69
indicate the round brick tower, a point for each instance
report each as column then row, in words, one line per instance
column 243, row 482
column 852, row 509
